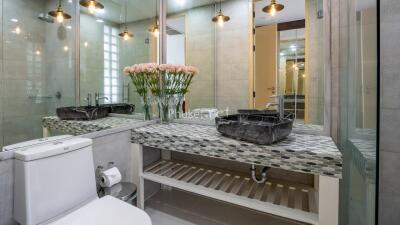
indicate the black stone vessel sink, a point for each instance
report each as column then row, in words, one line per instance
column 255, row 128
column 120, row 108
column 93, row 112
column 82, row 112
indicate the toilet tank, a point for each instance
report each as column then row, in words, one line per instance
column 52, row 179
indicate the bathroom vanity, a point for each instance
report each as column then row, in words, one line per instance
column 314, row 155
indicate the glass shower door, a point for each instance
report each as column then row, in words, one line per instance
column 358, row 83
column 38, row 66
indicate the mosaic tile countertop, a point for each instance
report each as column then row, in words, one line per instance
column 79, row 127
column 299, row 152
column 364, row 155
column 308, row 127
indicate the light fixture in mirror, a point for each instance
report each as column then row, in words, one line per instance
column 155, row 30
column 59, row 13
column 273, row 8
column 92, row 5
column 126, row 35
column 220, row 18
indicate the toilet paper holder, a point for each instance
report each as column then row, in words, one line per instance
column 99, row 170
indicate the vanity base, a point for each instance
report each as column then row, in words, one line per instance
column 281, row 198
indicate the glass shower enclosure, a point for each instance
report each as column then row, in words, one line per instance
column 37, row 66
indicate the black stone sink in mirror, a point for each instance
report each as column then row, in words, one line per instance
column 255, row 128
column 265, row 112
column 82, row 113
column 120, row 108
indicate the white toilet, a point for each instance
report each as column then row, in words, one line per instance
column 55, row 184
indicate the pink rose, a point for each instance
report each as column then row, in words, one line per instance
column 127, row 69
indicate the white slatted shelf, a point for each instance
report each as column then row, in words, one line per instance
column 289, row 200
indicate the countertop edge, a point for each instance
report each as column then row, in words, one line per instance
column 97, row 134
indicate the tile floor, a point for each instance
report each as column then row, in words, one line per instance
column 181, row 208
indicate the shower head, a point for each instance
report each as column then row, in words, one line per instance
column 46, row 18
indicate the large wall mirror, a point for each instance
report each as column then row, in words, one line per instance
column 104, row 52
column 290, row 59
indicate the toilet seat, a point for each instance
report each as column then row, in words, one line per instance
column 105, row 211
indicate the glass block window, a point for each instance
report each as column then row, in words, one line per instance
column 111, row 65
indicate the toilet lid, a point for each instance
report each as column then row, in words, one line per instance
column 105, row 211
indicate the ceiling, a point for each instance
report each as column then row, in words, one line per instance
column 292, row 34
column 114, row 10
column 177, row 23
column 294, row 10
column 365, row 4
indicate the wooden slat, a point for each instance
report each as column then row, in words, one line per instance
column 185, row 173
column 230, row 184
column 168, row 169
column 291, row 197
column 220, row 183
column 192, row 176
column 169, row 164
column 177, row 171
column 312, row 202
column 200, row 179
column 285, row 196
column 252, row 190
column 259, row 192
column 304, row 199
column 149, row 169
column 298, row 196
column 278, row 194
column 266, row 191
column 211, row 179
column 242, row 186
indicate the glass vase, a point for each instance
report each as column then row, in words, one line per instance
column 178, row 106
column 165, row 113
column 146, row 104
column 165, row 107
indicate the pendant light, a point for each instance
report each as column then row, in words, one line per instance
column 92, row 5
column 59, row 14
column 220, row 18
column 126, row 35
column 273, row 8
column 155, row 30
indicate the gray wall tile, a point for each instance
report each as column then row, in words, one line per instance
column 389, row 194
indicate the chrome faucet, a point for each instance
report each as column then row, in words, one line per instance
column 97, row 98
column 279, row 103
column 88, row 99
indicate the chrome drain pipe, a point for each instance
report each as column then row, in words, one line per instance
column 264, row 173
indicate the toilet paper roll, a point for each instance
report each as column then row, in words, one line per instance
column 110, row 177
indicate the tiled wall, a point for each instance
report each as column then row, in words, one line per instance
column 389, row 193
column 91, row 56
column 200, row 52
column 315, row 66
column 233, row 57
column 137, row 50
